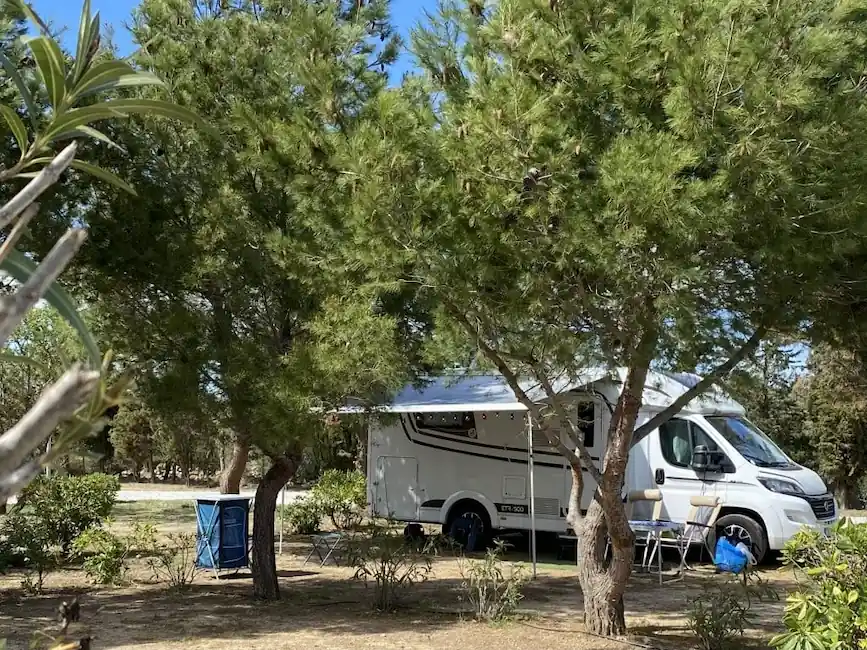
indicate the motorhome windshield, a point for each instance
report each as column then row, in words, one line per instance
column 751, row 443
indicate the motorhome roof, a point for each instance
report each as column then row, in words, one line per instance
column 474, row 392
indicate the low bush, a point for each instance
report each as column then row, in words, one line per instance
column 303, row 517
column 106, row 555
column 719, row 616
column 174, row 561
column 390, row 563
column 27, row 541
column 69, row 505
column 342, row 497
column 830, row 611
column 493, row 592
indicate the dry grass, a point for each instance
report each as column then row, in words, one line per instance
column 325, row 608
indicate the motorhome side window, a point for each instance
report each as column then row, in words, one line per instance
column 456, row 424
column 587, row 422
column 678, row 438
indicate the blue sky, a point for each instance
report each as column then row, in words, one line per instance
column 60, row 13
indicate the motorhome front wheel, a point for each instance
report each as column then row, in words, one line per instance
column 741, row 528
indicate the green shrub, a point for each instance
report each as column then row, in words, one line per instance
column 174, row 561
column 106, row 554
column 718, row 616
column 493, row 593
column 390, row 563
column 342, row 496
column 27, row 541
column 830, row 613
column 69, row 505
column 304, row 516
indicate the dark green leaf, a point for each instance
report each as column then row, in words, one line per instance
column 49, row 60
column 77, row 117
column 9, row 357
column 16, row 126
column 104, row 175
column 98, row 135
column 33, row 17
column 126, row 81
column 21, row 267
column 13, row 74
column 84, row 40
column 100, row 74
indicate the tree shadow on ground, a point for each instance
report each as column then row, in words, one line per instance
column 328, row 602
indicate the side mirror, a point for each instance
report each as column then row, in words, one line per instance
column 704, row 460
column 726, row 466
column 700, row 458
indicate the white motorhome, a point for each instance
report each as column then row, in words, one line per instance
column 459, row 446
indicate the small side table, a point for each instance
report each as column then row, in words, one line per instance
column 325, row 543
column 654, row 530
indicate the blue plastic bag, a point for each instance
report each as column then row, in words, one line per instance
column 728, row 557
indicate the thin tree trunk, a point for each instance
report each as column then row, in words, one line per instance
column 167, row 471
column 360, row 447
column 230, row 480
column 847, row 495
column 265, row 585
column 604, row 581
column 573, row 515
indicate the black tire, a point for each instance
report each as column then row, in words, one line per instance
column 743, row 528
column 474, row 510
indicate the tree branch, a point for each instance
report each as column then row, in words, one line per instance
column 564, row 420
column 13, row 482
column 18, row 230
column 57, row 403
column 512, row 379
column 46, row 178
column 706, row 382
column 14, row 307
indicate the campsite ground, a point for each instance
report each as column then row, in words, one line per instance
column 326, row 608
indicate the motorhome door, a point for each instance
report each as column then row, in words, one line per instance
column 396, row 488
column 670, row 453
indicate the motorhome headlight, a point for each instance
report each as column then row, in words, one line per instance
column 781, row 486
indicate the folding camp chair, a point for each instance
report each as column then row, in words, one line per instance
column 700, row 520
column 634, row 513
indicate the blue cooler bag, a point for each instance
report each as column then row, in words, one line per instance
column 728, row 557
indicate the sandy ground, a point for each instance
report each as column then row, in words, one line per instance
column 323, row 607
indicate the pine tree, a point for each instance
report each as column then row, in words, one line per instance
column 835, row 400
column 223, row 281
column 627, row 183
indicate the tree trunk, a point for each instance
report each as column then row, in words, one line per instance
column 167, row 471
column 848, row 497
column 360, row 448
column 230, row 480
column 2, row 506
column 603, row 581
column 573, row 514
column 265, row 585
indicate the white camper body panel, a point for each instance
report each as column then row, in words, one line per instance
column 461, row 440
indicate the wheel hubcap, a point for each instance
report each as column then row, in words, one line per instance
column 476, row 520
column 739, row 534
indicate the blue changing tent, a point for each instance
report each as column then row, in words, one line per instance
column 222, row 527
